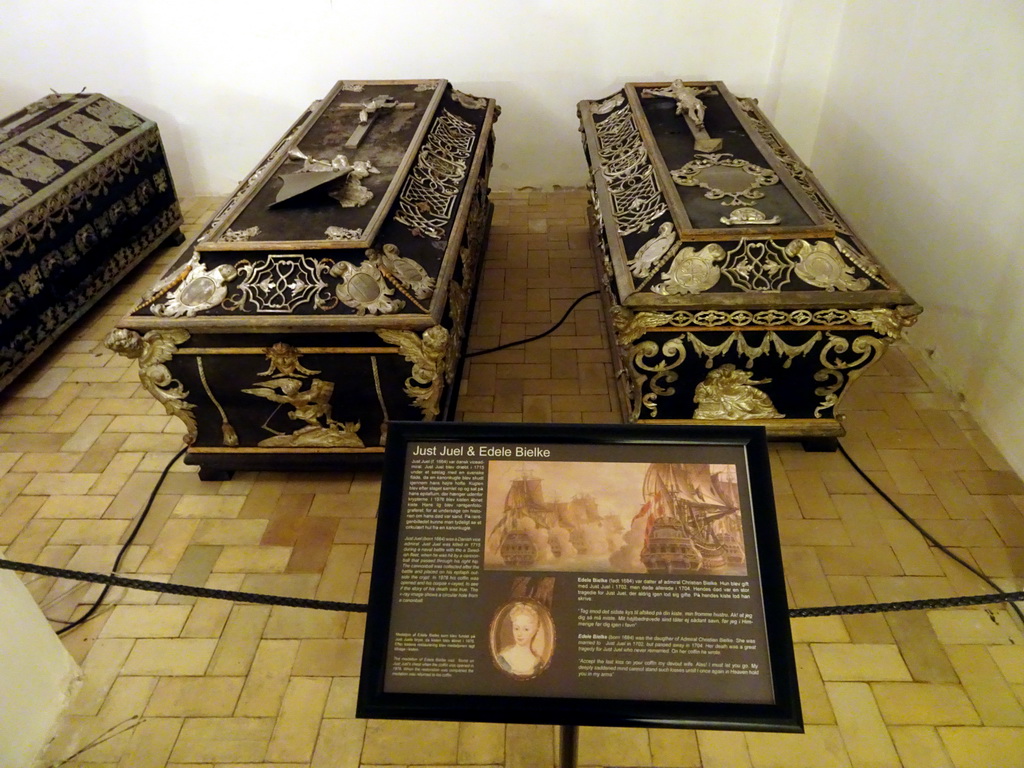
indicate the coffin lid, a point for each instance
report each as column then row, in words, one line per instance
column 421, row 131
column 45, row 146
column 691, row 222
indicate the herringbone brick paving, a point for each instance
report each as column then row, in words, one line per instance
column 178, row 681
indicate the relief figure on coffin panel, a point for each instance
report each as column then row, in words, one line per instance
column 311, row 405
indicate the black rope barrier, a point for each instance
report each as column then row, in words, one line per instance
column 330, row 605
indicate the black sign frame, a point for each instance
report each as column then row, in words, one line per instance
column 380, row 697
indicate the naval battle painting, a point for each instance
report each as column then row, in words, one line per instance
column 621, row 517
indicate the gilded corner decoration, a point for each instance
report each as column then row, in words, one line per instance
column 431, row 356
column 152, row 351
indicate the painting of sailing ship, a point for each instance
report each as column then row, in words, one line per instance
column 625, row 517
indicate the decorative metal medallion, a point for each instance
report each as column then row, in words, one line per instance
column 202, row 289
column 723, row 176
column 637, row 202
column 113, row 113
column 797, row 169
column 342, row 233
column 364, row 288
column 606, row 106
column 748, row 217
column 692, row 271
column 240, row 235
column 86, row 129
column 427, row 200
column 26, row 164
column 310, row 401
column 469, row 102
column 432, row 364
column 280, row 283
column 822, row 266
column 729, row 393
column 649, row 255
column 58, row 146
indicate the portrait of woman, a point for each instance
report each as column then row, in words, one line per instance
column 522, row 638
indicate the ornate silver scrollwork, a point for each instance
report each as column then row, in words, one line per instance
column 240, row 235
column 692, row 271
column 342, row 233
column 637, row 202
column 427, row 200
column 761, row 266
column 822, row 266
column 867, row 348
column 797, row 169
column 469, row 102
column 732, row 394
column 354, row 87
column 280, row 283
column 431, row 358
column 201, row 289
column 748, row 217
column 882, row 320
column 152, row 351
column 606, row 106
column 662, row 373
column 726, row 178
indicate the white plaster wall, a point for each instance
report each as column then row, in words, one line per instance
column 36, row 675
column 225, row 78
column 922, row 145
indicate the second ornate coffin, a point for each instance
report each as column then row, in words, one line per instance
column 734, row 289
column 331, row 293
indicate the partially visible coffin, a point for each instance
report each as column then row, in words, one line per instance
column 85, row 195
column 331, row 293
column 734, row 290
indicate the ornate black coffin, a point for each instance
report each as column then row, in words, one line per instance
column 733, row 288
column 85, row 195
column 331, row 292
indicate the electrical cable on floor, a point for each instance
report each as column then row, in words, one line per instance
column 124, row 548
column 112, row 579
column 527, row 340
column 932, row 540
